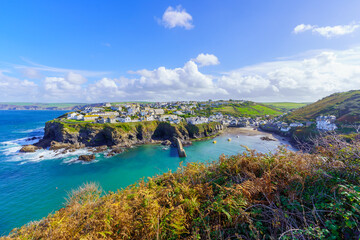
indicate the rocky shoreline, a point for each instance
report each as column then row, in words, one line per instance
column 64, row 138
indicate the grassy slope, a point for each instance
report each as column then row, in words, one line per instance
column 247, row 110
column 285, row 106
column 284, row 195
column 345, row 106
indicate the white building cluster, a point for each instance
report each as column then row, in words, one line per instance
column 326, row 123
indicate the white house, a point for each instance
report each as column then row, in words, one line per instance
column 71, row 115
column 107, row 113
column 178, row 113
column 124, row 119
column 75, row 116
column 159, row 111
column 90, row 117
column 106, row 120
column 197, row 120
column 296, row 124
column 326, row 123
column 150, row 118
column 285, row 127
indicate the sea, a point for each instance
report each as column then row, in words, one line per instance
column 33, row 185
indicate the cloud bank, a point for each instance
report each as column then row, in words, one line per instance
column 328, row 31
column 308, row 78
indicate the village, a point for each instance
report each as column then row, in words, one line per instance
column 191, row 112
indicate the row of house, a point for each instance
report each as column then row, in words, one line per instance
column 323, row 123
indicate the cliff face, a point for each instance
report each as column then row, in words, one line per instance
column 122, row 134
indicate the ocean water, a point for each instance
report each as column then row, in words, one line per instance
column 32, row 185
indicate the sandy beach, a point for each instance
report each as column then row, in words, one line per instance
column 248, row 131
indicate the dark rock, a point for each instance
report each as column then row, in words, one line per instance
column 100, row 149
column 166, row 143
column 32, row 138
column 266, row 138
column 29, row 148
column 58, row 145
column 186, row 142
column 115, row 151
column 87, row 158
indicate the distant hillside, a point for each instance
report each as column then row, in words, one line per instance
column 345, row 106
column 247, row 109
column 40, row 106
column 285, row 106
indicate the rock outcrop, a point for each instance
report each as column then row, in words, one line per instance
column 180, row 148
column 87, row 158
column 166, row 143
column 29, row 148
column 62, row 135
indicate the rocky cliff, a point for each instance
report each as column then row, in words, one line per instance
column 64, row 134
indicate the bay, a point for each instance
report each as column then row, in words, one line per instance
column 32, row 185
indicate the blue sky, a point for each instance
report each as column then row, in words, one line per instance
column 94, row 51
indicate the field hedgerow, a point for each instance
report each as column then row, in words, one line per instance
column 282, row 195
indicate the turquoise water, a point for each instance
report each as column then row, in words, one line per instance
column 32, row 185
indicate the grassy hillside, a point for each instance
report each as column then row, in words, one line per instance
column 284, row 195
column 345, row 106
column 285, row 106
column 248, row 109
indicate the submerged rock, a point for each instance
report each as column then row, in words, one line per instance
column 87, row 158
column 115, row 151
column 29, row 148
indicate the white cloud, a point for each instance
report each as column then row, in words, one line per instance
column 303, row 79
column 14, row 89
column 64, row 88
column 328, row 31
column 31, row 73
column 186, row 82
column 177, row 17
column 307, row 77
column 206, row 59
column 75, row 78
column 302, row 28
column 105, row 89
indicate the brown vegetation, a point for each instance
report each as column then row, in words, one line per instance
column 282, row 195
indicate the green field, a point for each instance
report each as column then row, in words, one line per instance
column 247, row 110
column 285, row 106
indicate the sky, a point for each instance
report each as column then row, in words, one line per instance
column 100, row 51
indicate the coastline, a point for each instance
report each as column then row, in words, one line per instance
column 250, row 131
column 64, row 148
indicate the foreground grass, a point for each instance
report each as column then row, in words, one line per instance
column 285, row 195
